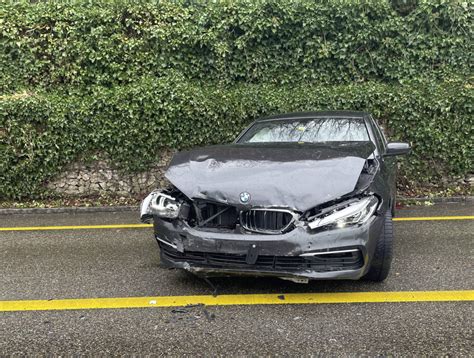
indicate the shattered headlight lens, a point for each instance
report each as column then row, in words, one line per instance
column 159, row 204
column 354, row 213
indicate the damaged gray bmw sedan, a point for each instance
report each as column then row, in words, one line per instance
column 299, row 196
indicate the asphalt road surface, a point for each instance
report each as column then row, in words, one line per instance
column 430, row 255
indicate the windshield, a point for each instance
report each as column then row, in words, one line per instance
column 311, row 130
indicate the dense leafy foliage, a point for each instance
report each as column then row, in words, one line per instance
column 128, row 79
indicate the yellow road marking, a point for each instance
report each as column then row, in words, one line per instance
column 138, row 226
column 229, row 300
column 75, row 227
column 430, row 218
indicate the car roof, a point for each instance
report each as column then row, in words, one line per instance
column 333, row 114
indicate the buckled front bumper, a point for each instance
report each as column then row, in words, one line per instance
column 300, row 254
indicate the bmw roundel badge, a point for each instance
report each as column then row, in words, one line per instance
column 244, row 197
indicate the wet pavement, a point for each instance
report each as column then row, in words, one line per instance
column 89, row 263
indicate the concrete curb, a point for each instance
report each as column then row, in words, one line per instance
column 452, row 199
column 100, row 209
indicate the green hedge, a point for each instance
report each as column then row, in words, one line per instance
column 127, row 79
column 44, row 131
column 82, row 43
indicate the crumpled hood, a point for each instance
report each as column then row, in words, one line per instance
column 295, row 176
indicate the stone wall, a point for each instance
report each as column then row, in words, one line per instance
column 100, row 178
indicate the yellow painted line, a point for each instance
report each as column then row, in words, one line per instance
column 230, row 300
column 75, row 227
column 432, row 218
column 138, row 226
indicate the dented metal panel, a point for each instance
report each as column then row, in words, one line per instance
column 290, row 175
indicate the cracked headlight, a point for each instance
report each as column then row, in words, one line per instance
column 357, row 212
column 159, row 204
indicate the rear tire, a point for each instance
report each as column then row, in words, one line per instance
column 382, row 259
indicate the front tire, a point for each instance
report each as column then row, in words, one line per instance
column 382, row 259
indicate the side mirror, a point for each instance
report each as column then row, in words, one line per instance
column 397, row 148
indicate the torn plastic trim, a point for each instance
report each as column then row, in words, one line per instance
column 303, row 280
column 166, row 243
column 295, row 276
